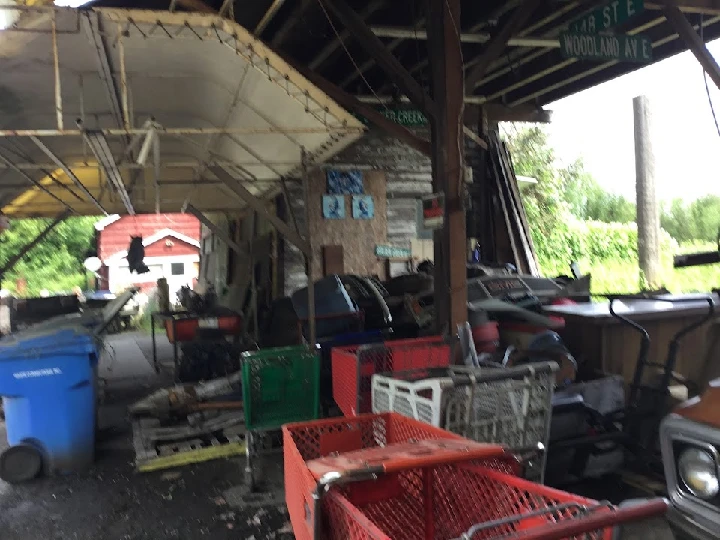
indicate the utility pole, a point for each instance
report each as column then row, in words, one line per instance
column 648, row 215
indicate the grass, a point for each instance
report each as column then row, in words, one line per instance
column 612, row 276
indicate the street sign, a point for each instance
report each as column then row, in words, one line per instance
column 620, row 47
column 391, row 252
column 433, row 210
column 605, row 17
column 404, row 117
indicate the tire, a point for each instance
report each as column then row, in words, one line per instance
column 20, row 463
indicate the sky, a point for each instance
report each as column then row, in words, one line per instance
column 597, row 126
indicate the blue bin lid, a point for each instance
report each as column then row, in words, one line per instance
column 41, row 344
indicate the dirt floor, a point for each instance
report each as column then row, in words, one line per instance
column 113, row 502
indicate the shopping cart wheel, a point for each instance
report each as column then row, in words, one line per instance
column 20, row 463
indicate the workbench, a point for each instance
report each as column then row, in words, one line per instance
column 602, row 343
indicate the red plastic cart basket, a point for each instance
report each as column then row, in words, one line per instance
column 305, row 442
column 387, row 477
column 353, row 367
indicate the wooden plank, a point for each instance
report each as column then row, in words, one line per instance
column 260, row 207
column 693, row 41
column 386, row 60
column 217, row 231
column 494, row 48
column 333, row 259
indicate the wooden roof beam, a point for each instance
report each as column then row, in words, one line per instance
column 355, row 106
column 268, row 16
column 335, row 44
column 289, row 24
column 688, row 34
column 389, row 63
column 260, row 206
column 498, row 42
column 707, row 7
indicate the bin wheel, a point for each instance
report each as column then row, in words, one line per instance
column 20, row 463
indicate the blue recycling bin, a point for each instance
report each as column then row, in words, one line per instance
column 48, row 387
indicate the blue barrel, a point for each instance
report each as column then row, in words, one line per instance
column 48, row 386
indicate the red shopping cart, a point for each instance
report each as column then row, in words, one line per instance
column 353, row 367
column 389, row 477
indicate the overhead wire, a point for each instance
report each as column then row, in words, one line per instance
column 350, row 56
column 705, row 78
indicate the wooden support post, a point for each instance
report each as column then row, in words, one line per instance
column 693, row 41
column 309, row 256
column 389, row 63
column 260, row 206
column 448, row 162
column 30, row 245
column 494, row 48
column 648, row 216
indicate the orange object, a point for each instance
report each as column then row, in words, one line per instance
column 368, row 433
column 406, row 480
column 186, row 329
column 353, row 367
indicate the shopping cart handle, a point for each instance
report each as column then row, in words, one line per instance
column 596, row 521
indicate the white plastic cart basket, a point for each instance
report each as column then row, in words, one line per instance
column 510, row 406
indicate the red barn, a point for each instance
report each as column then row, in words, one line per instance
column 172, row 250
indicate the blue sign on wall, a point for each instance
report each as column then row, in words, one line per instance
column 345, row 182
column 333, row 206
column 363, row 207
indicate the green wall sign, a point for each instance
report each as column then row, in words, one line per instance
column 620, row 47
column 404, row 117
column 391, row 252
column 603, row 18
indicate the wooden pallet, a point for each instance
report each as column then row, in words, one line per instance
column 158, row 447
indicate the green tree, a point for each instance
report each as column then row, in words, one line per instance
column 698, row 220
column 55, row 263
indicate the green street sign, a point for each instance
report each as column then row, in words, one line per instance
column 620, row 47
column 605, row 17
column 404, row 117
column 390, row 252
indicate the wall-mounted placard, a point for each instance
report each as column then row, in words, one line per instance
column 363, row 207
column 345, row 182
column 333, row 206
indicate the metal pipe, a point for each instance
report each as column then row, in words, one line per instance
column 37, row 184
column 182, row 131
column 123, row 81
column 421, row 35
column 64, row 168
column 84, row 164
column 56, row 70
column 309, row 256
column 383, row 100
column 269, row 15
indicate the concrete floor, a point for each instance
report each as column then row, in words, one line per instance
column 113, row 502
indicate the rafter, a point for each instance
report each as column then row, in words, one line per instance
column 289, row 23
column 693, row 41
column 268, row 16
column 334, row 46
column 499, row 41
column 389, row 63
